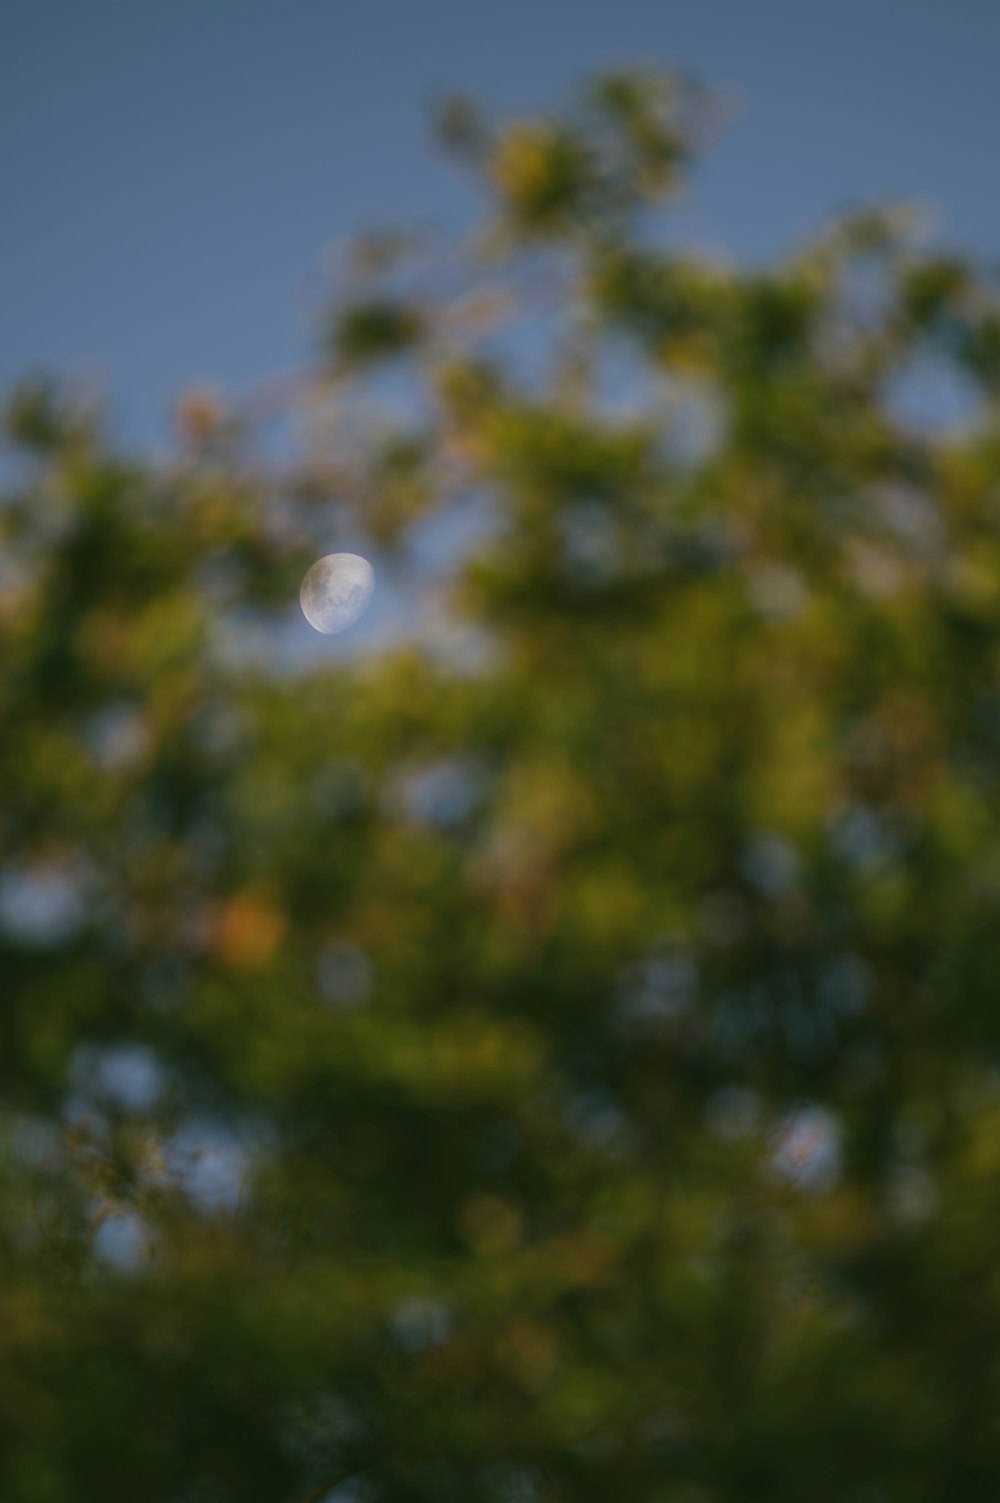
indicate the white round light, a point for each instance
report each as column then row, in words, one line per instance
column 336, row 590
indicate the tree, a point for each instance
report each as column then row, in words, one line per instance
column 550, row 1053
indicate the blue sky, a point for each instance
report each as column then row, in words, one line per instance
column 175, row 172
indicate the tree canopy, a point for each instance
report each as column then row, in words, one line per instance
column 546, row 1048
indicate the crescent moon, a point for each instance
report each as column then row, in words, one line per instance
column 335, row 591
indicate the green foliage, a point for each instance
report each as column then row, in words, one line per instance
column 551, row 1053
column 374, row 330
column 592, row 171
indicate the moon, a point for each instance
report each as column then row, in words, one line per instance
column 336, row 590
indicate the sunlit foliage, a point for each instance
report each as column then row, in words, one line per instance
column 548, row 1050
